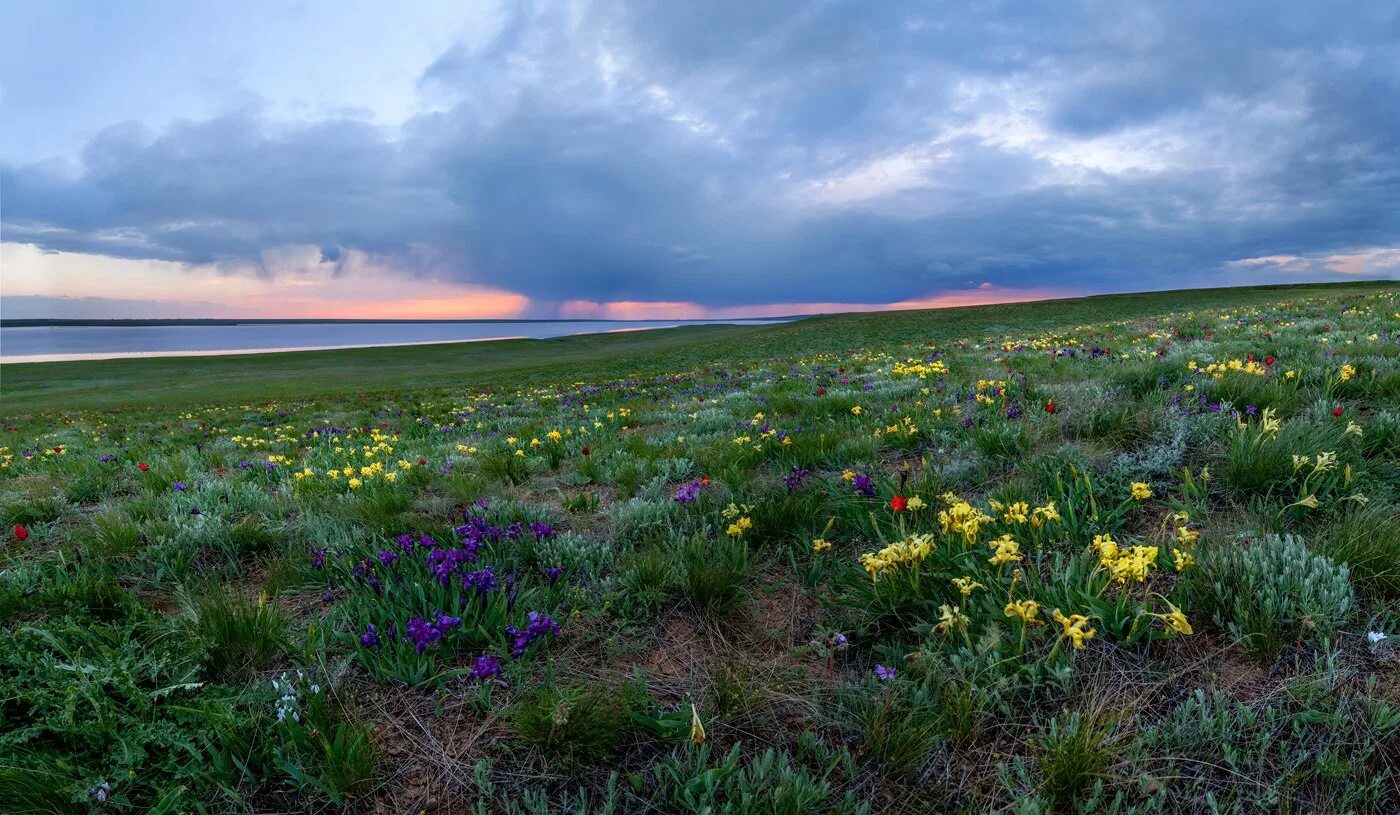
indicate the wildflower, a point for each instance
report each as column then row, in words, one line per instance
column 1186, row 536
column 143, row 466
column 554, row 573
column 1050, row 406
column 1007, row 551
column 1354, row 429
column 855, row 410
column 1017, row 513
column 370, row 639
column 1337, row 411
column 1107, row 548
column 848, row 476
column 179, row 486
column 21, row 533
column 486, row 666
column 1076, row 628
column 1041, row 515
column 863, row 485
column 687, row 493
column 697, row 730
column 739, row 527
column 1026, row 610
column 539, row 625
column 1183, row 558
column 951, row 617
column 899, row 503
column 916, row 503
column 1374, row 637
column 1309, row 503
column 967, row 585
column 355, row 483
column 1175, row 620
column 884, row 674
column 101, row 792
column 820, row 545
column 1141, row 491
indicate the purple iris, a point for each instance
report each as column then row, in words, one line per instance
column 687, row 493
column 179, row 486
column 486, row 666
column 483, row 580
column 554, row 573
column 863, row 485
column 538, row 625
column 883, row 673
column 370, row 639
column 797, row 478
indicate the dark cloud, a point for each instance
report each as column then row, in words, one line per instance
column 742, row 153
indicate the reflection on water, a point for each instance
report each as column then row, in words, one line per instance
column 58, row 343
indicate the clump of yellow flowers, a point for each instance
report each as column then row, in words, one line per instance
column 738, row 517
column 909, row 552
column 1129, row 565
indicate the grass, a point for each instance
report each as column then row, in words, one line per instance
column 1131, row 553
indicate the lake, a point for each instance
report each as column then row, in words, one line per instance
column 59, row 343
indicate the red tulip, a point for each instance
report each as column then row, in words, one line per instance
column 1337, row 411
column 143, row 466
column 821, row 391
column 1268, row 360
column 1249, row 357
column 585, row 450
column 21, row 532
column 898, row 503
column 1050, row 406
column 422, row 461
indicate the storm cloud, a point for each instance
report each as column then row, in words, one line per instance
column 740, row 153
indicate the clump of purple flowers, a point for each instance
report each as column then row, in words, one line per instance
column 539, row 625
column 487, row 666
column 370, row 639
column 796, row 479
column 863, row 485
column 687, row 493
column 423, row 633
column 482, row 580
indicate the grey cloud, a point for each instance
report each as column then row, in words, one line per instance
column 684, row 170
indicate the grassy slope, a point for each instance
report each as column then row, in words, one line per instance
column 113, row 384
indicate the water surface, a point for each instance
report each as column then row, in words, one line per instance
column 60, row 343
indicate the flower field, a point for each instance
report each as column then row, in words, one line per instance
column 1146, row 561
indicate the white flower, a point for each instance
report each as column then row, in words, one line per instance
column 1374, row 637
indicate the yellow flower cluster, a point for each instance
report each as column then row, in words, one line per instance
column 1007, row 550
column 1125, row 565
column 1141, row 491
column 989, row 385
column 904, row 427
column 909, row 552
column 914, row 367
column 1076, row 627
column 1217, row 370
column 1027, row 611
column 962, row 518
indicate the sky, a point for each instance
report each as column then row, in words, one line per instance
column 673, row 159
